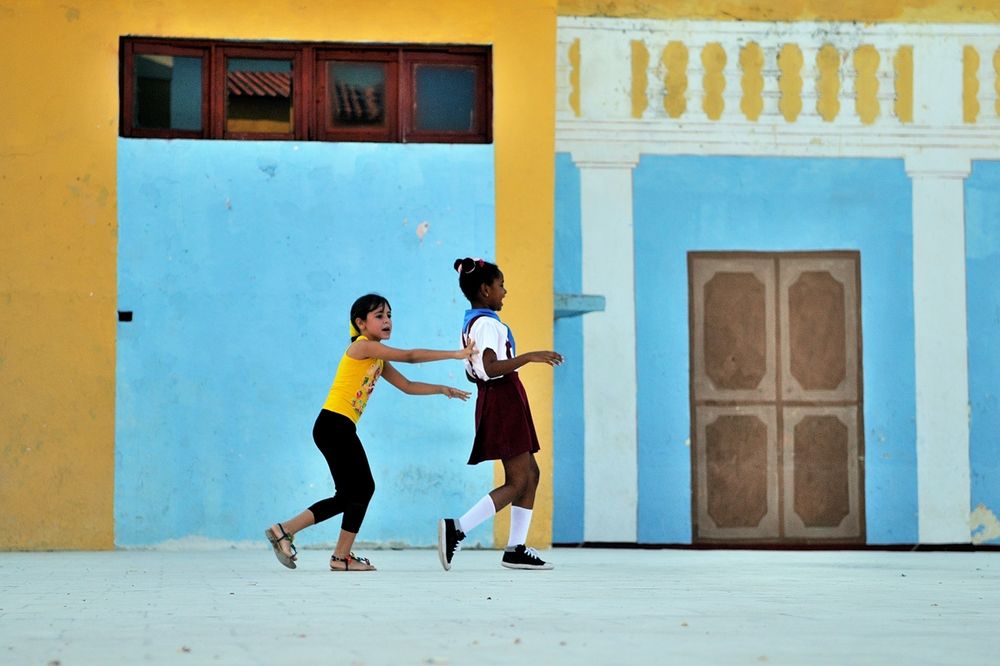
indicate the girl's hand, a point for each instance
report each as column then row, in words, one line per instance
column 455, row 393
column 468, row 352
column 549, row 357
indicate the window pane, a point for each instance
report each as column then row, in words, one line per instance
column 259, row 95
column 167, row 92
column 356, row 94
column 445, row 98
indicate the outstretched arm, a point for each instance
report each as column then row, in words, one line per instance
column 495, row 368
column 396, row 378
column 362, row 349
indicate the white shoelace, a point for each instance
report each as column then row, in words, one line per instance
column 531, row 552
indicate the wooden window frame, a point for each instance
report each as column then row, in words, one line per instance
column 300, row 119
column 325, row 131
column 309, row 87
column 130, row 49
column 480, row 132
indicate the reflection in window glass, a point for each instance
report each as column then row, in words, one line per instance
column 259, row 95
column 445, row 98
column 167, row 92
column 356, row 94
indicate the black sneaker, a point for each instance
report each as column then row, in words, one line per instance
column 521, row 557
column 449, row 541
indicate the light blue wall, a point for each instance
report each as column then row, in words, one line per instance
column 684, row 204
column 567, row 481
column 982, row 239
column 240, row 261
column 687, row 204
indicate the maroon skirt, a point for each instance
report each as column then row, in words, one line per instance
column 504, row 428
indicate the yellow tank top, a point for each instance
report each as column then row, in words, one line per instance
column 353, row 383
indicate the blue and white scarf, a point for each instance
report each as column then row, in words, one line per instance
column 486, row 312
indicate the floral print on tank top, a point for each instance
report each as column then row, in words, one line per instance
column 360, row 399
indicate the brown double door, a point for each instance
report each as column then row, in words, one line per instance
column 776, row 399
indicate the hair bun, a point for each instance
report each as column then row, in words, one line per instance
column 466, row 265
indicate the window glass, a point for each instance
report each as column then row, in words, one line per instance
column 167, row 92
column 445, row 98
column 259, row 95
column 356, row 94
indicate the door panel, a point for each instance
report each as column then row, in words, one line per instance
column 738, row 472
column 821, row 472
column 819, row 358
column 733, row 325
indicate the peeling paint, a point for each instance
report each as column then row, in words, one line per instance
column 984, row 525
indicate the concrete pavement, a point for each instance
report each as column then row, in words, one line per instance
column 239, row 606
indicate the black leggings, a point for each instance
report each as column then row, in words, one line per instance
column 336, row 437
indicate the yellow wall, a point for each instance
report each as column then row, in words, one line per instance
column 904, row 11
column 58, row 219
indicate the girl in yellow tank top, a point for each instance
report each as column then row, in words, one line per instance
column 365, row 360
column 353, row 383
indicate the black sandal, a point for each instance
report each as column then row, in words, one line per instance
column 284, row 558
column 360, row 563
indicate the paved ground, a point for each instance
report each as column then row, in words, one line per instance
column 596, row 607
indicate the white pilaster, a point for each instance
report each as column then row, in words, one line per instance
column 609, row 370
column 941, row 341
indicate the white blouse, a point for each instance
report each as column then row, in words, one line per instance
column 488, row 333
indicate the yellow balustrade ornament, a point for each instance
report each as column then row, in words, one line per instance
column 996, row 68
column 675, row 59
column 713, row 59
column 866, row 60
column 790, row 81
column 828, row 82
column 574, row 77
column 640, row 80
column 970, row 85
column 752, row 64
column 903, row 69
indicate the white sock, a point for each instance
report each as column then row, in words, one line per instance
column 520, row 521
column 479, row 512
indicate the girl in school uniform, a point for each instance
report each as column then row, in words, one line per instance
column 504, row 428
column 335, row 432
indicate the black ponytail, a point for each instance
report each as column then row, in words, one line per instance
column 473, row 273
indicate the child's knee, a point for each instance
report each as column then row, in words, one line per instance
column 363, row 491
column 534, row 474
column 518, row 484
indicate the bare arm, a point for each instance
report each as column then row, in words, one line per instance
column 396, row 378
column 495, row 368
column 362, row 349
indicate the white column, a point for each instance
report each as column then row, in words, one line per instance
column 609, row 370
column 941, row 342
